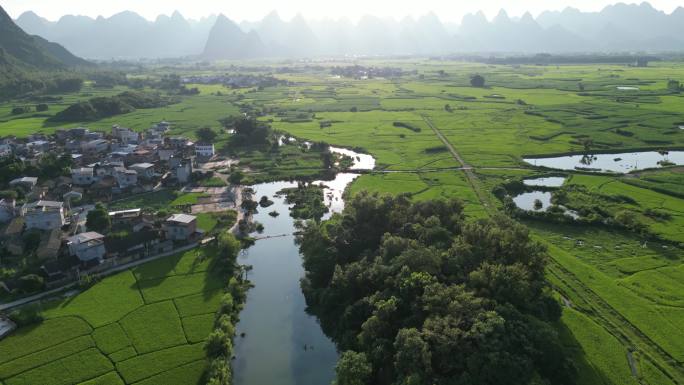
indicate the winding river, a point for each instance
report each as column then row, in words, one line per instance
column 277, row 341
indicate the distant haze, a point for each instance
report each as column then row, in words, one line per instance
column 128, row 35
column 449, row 11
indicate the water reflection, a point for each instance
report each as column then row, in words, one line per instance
column 282, row 344
column 620, row 162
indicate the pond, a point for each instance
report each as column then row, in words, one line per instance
column 552, row 181
column 525, row 201
column 619, row 163
column 282, row 343
column 361, row 161
column 627, row 88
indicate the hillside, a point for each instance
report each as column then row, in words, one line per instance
column 31, row 63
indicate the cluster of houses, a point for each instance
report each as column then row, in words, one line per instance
column 106, row 166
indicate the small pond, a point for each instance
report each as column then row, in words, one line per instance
column 627, row 88
column 525, row 201
column 620, row 163
column 552, row 181
column 361, row 161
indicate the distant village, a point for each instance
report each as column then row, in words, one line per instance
column 106, row 167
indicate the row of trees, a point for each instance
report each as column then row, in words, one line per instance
column 412, row 293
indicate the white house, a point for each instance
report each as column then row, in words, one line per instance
column 204, row 150
column 83, row 176
column 180, row 227
column 43, row 215
column 87, row 246
column 125, row 135
column 144, row 170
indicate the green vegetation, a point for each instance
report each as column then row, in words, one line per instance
column 148, row 325
column 417, row 290
column 617, row 267
column 105, row 107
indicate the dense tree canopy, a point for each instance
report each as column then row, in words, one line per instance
column 413, row 293
column 477, row 81
column 98, row 219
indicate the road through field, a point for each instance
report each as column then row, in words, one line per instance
column 470, row 175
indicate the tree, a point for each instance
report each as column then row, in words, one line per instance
column 477, row 81
column 42, row 107
column 206, row 134
column 98, row 219
column 352, row 369
column 31, row 283
column 674, row 85
column 414, row 293
column 228, row 245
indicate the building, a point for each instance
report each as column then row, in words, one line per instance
column 84, row 176
column 144, row 170
column 180, row 227
column 181, row 169
column 126, row 178
column 205, row 150
column 26, row 182
column 95, row 146
column 43, row 215
column 87, row 246
column 125, row 135
column 7, row 210
column 125, row 216
column 5, row 150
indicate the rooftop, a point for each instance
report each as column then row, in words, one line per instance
column 142, row 165
column 85, row 237
column 181, row 218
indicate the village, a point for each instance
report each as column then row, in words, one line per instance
column 62, row 226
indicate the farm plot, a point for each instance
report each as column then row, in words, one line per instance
column 123, row 330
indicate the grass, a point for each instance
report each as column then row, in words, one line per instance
column 150, row 364
column 36, row 338
column 146, row 341
column 37, row 359
column 626, row 293
column 604, row 356
column 102, row 304
column 69, row 370
column 111, row 378
column 111, row 338
column 153, row 327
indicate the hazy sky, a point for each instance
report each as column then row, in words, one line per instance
column 447, row 10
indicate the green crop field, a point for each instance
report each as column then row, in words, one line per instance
column 618, row 269
column 136, row 327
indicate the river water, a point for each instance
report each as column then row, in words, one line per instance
column 282, row 344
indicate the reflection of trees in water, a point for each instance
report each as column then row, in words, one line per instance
column 588, row 159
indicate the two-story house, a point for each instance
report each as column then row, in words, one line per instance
column 43, row 215
column 180, row 227
column 87, row 247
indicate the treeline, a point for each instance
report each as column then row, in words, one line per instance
column 219, row 345
column 103, row 107
column 27, row 84
column 413, row 293
column 549, row 59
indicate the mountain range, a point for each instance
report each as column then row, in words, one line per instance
column 616, row 28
